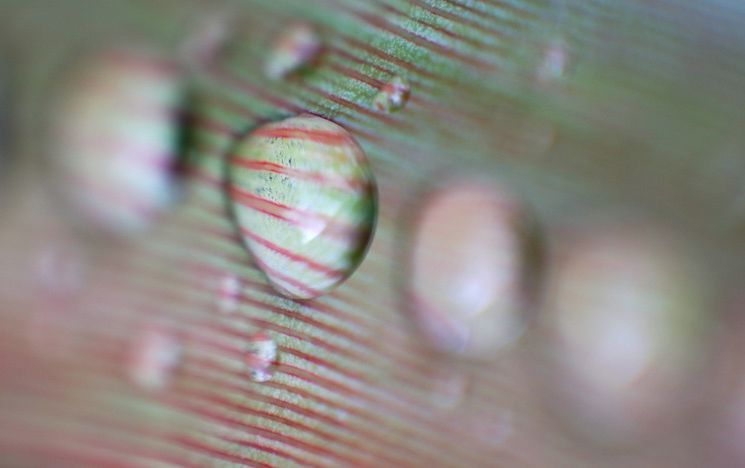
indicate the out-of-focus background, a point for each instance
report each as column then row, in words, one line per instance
column 555, row 196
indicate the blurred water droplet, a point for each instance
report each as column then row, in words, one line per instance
column 115, row 137
column 305, row 202
column 154, row 357
column 448, row 388
column 207, row 44
column 261, row 357
column 472, row 270
column 295, row 48
column 341, row 414
column 393, row 96
column 229, row 293
column 628, row 310
column 493, row 430
column 554, row 62
column 59, row 271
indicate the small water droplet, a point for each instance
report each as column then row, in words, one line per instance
column 261, row 357
column 115, row 137
column 229, row 293
column 211, row 38
column 448, row 388
column 154, row 357
column 341, row 415
column 493, row 430
column 472, row 270
column 295, row 48
column 305, row 201
column 59, row 271
column 393, row 96
column 554, row 62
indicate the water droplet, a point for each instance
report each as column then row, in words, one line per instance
column 305, row 202
column 261, row 357
column 472, row 269
column 448, row 388
column 554, row 62
column 154, row 358
column 115, row 137
column 229, row 293
column 492, row 430
column 211, row 38
column 629, row 319
column 59, row 271
column 394, row 95
column 340, row 414
column 296, row 47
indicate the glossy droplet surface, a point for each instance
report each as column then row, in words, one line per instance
column 261, row 357
column 115, row 137
column 629, row 320
column 296, row 47
column 228, row 293
column 304, row 199
column 154, row 357
column 393, row 96
column 470, row 284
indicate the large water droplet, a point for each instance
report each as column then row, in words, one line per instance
column 472, row 270
column 393, row 96
column 628, row 314
column 154, row 357
column 261, row 357
column 229, row 293
column 305, row 202
column 116, row 135
column 295, row 48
